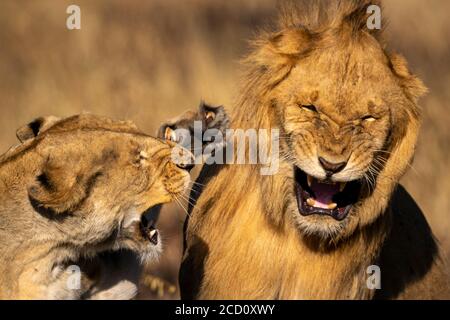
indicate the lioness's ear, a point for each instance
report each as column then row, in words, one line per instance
column 32, row 129
column 62, row 184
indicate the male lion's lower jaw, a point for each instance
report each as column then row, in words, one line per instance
column 306, row 208
column 336, row 214
column 324, row 197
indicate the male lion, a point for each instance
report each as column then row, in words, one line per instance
column 348, row 117
column 78, row 199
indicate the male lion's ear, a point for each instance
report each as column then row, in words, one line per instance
column 291, row 41
column 411, row 84
column 62, row 185
column 214, row 117
column 277, row 54
column 32, row 129
column 167, row 132
column 357, row 15
column 283, row 48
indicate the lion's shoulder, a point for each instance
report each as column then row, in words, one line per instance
column 411, row 254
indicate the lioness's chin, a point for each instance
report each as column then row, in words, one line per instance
column 151, row 254
column 142, row 236
column 324, row 207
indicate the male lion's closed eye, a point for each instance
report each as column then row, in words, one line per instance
column 368, row 118
column 309, row 107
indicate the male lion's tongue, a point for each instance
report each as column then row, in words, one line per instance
column 324, row 193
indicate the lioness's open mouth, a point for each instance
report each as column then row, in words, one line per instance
column 147, row 224
column 334, row 199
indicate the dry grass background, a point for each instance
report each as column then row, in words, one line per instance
column 149, row 60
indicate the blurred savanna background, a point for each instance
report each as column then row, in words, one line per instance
column 148, row 61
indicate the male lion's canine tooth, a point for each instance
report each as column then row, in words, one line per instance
column 332, row 206
column 309, row 179
column 311, row 202
column 342, row 186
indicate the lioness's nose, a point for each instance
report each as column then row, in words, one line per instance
column 185, row 166
column 331, row 168
column 183, row 158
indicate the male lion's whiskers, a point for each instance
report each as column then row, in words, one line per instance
column 371, row 173
column 287, row 157
column 390, row 153
column 369, row 182
column 381, row 163
column 305, row 144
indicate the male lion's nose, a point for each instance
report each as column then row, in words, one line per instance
column 331, row 168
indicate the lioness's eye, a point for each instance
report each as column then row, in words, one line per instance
column 309, row 107
column 368, row 118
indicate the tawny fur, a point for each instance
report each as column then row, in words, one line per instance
column 73, row 194
column 245, row 238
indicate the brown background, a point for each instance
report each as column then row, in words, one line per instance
column 149, row 60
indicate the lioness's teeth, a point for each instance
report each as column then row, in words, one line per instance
column 342, row 186
column 152, row 233
column 311, row 202
column 309, row 180
column 332, row 206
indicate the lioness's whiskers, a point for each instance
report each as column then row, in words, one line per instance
column 188, row 199
column 181, row 205
column 196, row 191
column 197, row 183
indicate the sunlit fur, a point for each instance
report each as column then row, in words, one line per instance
column 73, row 193
column 246, row 238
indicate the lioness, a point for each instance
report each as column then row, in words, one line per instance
column 77, row 202
column 333, row 220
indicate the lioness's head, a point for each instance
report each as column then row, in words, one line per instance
column 96, row 184
column 347, row 112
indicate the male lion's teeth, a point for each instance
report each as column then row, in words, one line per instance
column 309, row 180
column 311, row 202
column 332, row 206
column 342, row 186
column 152, row 233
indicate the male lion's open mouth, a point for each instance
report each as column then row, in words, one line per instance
column 334, row 199
column 147, row 224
